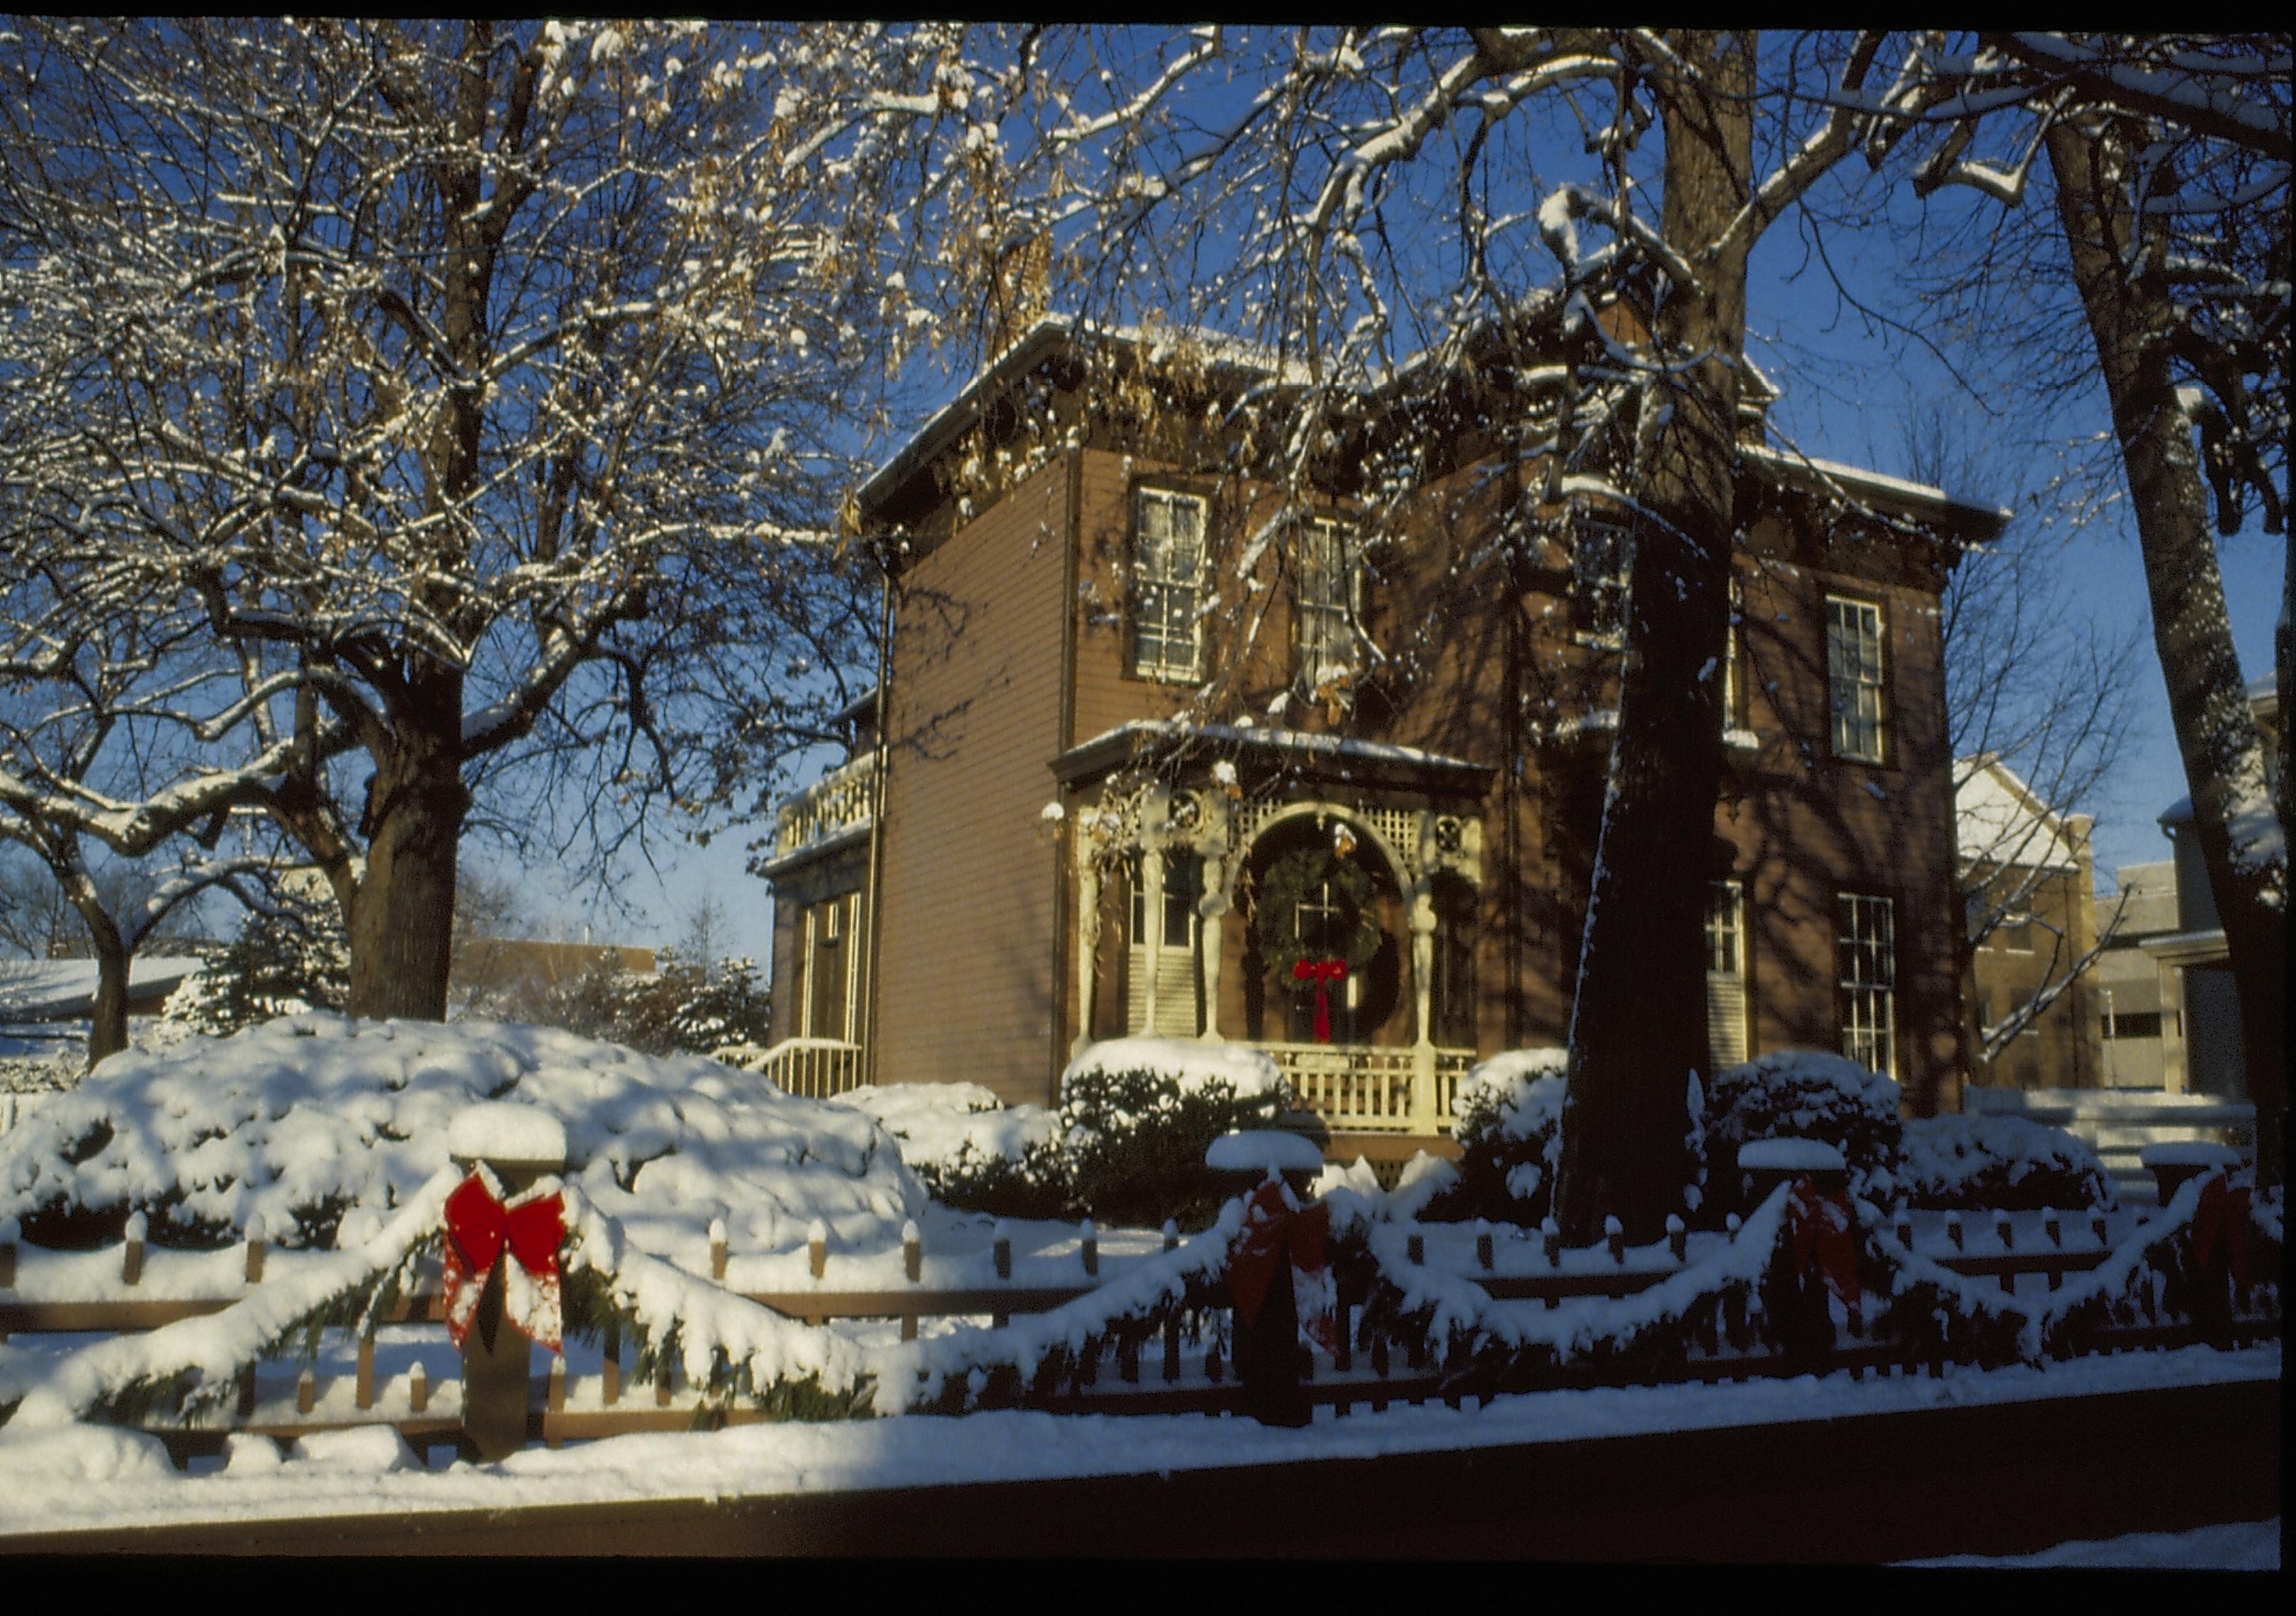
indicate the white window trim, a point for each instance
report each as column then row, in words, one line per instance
column 1161, row 668
column 1865, row 1035
column 1345, row 616
column 1879, row 682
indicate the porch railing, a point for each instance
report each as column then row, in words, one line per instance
column 813, row 1068
column 1369, row 1088
column 839, row 801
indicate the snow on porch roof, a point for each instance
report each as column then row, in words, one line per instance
column 1127, row 741
column 1987, row 520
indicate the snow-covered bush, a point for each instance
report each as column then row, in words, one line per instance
column 1802, row 1094
column 1509, row 1135
column 2009, row 1163
column 678, row 1008
column 301, row 1120
column 970, row 1150
column 1137, row 1115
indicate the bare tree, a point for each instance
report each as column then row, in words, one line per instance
column 2165, row 277
column 479, row 387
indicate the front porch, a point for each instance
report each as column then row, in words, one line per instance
column 1361, row 1088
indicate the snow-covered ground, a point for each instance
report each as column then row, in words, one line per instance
column 2240, row 1546
column 83, row 1476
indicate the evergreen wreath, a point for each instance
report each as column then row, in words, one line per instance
column 1290, row 880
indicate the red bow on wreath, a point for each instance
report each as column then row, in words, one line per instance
column 1323, row 972
column 2223, row 1212
column 1274, row 1231
column 1818, row 1228
column 479, row 1228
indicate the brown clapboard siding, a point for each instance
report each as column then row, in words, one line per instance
column 964, row 988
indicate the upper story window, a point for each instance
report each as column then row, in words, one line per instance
column 1601, row 552
column 1853, row 671
column 1329, row 589
column 1168, row 583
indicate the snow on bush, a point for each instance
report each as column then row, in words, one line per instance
column 1509, row 1135
column 1137, row 1115
column 2012, row 1163
column 1802, row 1094
column 301, row 1120
column 970, row 1150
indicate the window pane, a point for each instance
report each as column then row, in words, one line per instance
column 1866, row 973
column 1168, row 559
column 1328, row 567
column 1853, row 661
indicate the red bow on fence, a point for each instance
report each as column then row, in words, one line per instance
column 1323, row 972
column 1818, row 1228
column 478, row 1228
column 2223, row 1212
column 1274, row 1232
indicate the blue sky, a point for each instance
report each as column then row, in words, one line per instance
column 1846, row 381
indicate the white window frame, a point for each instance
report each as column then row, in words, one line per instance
column 1328, row 620
column 1866, row 979
column 1167, row 632
column 1602, row 563
column 1726, row 974
column 1857, row 679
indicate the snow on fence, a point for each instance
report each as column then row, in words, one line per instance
column 1443, row 1293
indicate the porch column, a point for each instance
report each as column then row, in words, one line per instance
column 1088, row 945
column 1209, row 910
column 1151, row 881
column 1423, row 1118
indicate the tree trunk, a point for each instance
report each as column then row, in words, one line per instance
column 1638, row 1025
column 107, row 1028
column 2131, row 317
column 402, row 927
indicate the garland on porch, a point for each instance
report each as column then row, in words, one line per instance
column 1289, row 883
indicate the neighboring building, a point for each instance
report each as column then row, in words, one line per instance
column 64, row 989
column 1084, row 806
column 2027, row 884
column 2168, row 1008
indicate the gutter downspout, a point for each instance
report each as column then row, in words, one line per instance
column 1063, row 834
column 877, row 809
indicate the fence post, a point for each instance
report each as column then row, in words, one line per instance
column 554, row 1398
column 418, row 1388
column 816, row 1247
column 1171, row 1349
column 1172, row 1236
column 913, row 1266
column 1677, row 1237
column 362, row 1385
column 247, row 1390
column 131, row 1254
column 1953, row 1229
column 255, row 1244
column 611, row 1371
column 306, row 1391
column 1614, row 1235
column 498, row 1358
column 1550, row 1237
column 11, row 1231
column 718, row 1250
column 1484, row 1257
column 1091, row 1249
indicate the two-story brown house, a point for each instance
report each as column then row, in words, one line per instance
column 1152, row 753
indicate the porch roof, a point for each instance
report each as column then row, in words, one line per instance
column 1343, row 757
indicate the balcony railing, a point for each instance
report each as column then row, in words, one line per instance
column 1366, row 1088
column 841, row 800
column 812, row 1069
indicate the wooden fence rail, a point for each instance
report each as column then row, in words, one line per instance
column 567, row 1405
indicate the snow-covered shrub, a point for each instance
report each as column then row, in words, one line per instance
column 1509, row 1135
column 1137, row 1115
column 2009, row 1163
column 678, row 1008
column 1802, row 1094
column 970, row 1150
column 301, row 1120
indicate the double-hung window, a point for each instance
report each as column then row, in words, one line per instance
column 1725, row 974
column 1160, row 996
column 1853, row 671
column 1329, row 591
column 1167, row 582
column 1865, row 980
column 1602, row 554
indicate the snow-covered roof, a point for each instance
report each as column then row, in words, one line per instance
column 1122, row 743
column 1897, row 490
column 1998, row 820
column 59, row 989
